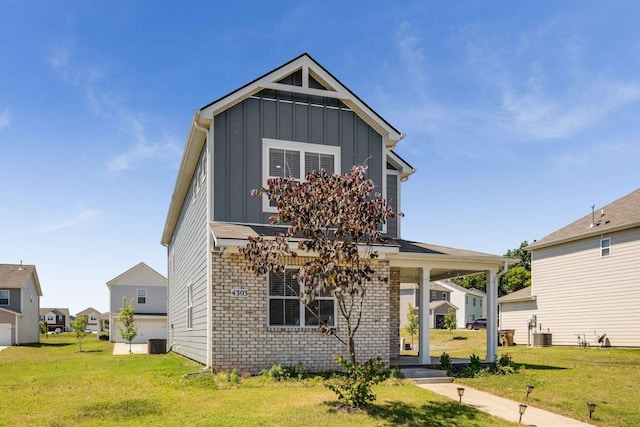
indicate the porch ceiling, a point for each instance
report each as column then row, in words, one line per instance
column 414, row 275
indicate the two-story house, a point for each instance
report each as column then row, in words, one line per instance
column 470, row 302
column 92, row 318
column 58, row 319
column 291, row 120
column 584, row 280
column 20, row 294
column 147, row 290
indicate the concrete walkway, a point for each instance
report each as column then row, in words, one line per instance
column 123, row 348
column 503, row 408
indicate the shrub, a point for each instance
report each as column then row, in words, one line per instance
column 474, row 369
column 504, row 365
column 284, row 373
column 445, row 363
column 354, row 387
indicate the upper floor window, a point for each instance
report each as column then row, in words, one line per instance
column 433, row 295
column 444, row 296
column 286, row 308
column 605, row 247
column 4, row 297
column 282, row 159
column 474, row 302
column 467, row 298
column 92, row 318
column 50, row 318
column 59, row 318
column 142, row 296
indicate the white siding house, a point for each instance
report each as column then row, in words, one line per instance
column 586, row 278
column 471, row 303
column 147, row 289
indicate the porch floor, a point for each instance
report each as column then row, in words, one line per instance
column 412, row 362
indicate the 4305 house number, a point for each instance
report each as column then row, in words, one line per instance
column 238, row 292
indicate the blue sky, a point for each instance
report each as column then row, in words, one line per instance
column 518, row 115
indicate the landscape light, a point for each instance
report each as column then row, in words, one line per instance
column 592, row 407
column 523, row 408
column 529, row 390
column 460, row 393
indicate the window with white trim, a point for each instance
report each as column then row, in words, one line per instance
column 286, row 308
column 282, row 159
column 605, row 247
column 474, row 302
column 51, row 318
column 433, row 295
column 444, row 296
column 4, row 297
column 189, row 306
column 142, row 296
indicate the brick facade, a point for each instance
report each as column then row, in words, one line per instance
column 243, row 341
column 394, row 310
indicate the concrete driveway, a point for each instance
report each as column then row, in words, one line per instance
column 123, row 348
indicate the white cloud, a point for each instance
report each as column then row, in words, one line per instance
column 5, row 118
column 83, row 217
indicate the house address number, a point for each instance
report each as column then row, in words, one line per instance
column 238, row 292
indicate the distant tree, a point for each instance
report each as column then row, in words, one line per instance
column 413, row 322
column 523, row 255
column 79, row 327
column 44, row 328
column 474, row 281
column 514, row 279
column 127, row 328
column 450, row 320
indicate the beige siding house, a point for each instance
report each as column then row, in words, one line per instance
column 516, row 311
column 586, row 278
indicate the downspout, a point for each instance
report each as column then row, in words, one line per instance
column 208, row 251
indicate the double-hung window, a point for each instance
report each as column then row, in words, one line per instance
column 286, row 308
column 605, row 247
column 4, row 297
column 142, row 296
column 281, row 159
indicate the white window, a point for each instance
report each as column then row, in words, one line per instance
column 142, row 296
column 444, row 296
column 4, row 297
column 474, row 301
column 295, row 159
column 51, row 318
column 189, row 306
column 92, row 318
column 433, row 295
column 286, row 308
column 605, row 247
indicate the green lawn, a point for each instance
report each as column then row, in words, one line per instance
column 565, row 378
column 54, row 384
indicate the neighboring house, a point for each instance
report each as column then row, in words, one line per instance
column 517, row 311
column 470, row 302
column 585, row 279
column 439, row 305
column 56, row 318
column 293, row 119
column 92, row 318
column 147, row 289
column 20, row 294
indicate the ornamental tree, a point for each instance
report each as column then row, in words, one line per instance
column 336, row 219
column 127, row 328
column 79, row 327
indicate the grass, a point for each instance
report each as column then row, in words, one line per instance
column 565, row 378
column 53, row 384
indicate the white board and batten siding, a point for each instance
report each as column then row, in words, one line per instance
column 188, row 260
column 579, row 291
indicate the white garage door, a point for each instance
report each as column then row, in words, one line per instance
column 148, row 329
column 5, row 333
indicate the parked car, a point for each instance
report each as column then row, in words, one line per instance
column 88, row 331
column 479, row 323
column 57, row 331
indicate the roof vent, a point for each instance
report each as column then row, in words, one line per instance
column 20, row 266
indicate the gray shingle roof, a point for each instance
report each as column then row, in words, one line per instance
column 621, row 214
column 523, row 294
column 15, row 276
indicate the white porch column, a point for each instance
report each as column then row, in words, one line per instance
column 423, row 330
column 492, row 315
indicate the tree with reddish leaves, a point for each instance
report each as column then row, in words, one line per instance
column 336, row 220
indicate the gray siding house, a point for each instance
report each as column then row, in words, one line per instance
column 20, row 294
column 291, row 120
column 572, row 268
column 147, row 289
